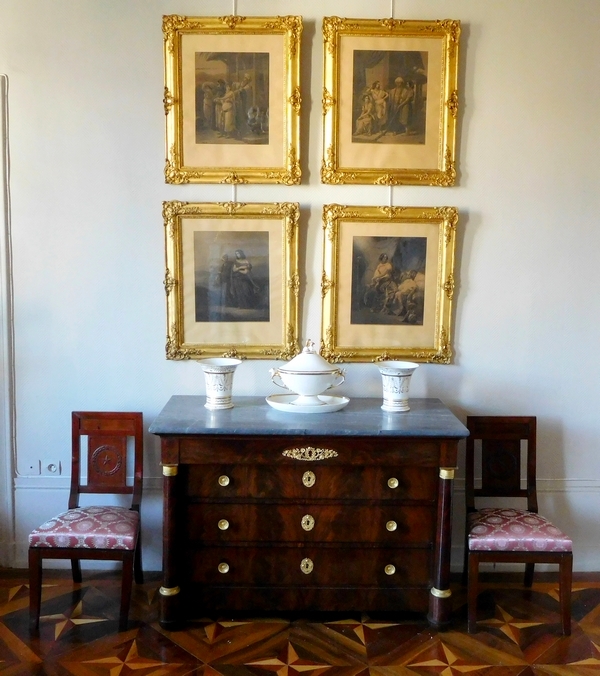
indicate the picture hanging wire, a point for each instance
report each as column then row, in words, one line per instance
column 391, row 191
column 234, row 186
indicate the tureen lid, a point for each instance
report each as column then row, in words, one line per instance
column 308, row 361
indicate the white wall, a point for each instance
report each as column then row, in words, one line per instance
column 87, row 148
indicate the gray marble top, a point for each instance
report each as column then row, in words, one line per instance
column 186, row 414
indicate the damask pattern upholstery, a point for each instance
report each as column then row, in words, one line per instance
column 89, row 528
column 513, row 530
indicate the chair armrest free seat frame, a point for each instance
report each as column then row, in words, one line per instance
column 99, row 532
column 509, row 535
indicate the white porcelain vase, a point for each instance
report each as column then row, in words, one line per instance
column 218, row 378
column 395, row 376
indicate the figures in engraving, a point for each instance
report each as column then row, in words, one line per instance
column 231, row 283
column 389, row 96
column 244, row 290
column 388, row 280
column 365, row 124
column 232, row 97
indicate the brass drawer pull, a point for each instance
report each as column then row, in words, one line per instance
column 223, row 480
column 308, row 522
column 224, row 524
column 309, row 453
column 390, row 569
column 306, row 566
column 223, row 568
column 393, row 482
column 390, row 525
column 308, row 479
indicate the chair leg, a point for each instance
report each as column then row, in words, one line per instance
column 465, row 571
column 529, row 570
column 566, row 579
column 126, row 585
column 138, row 571
column 76, row 570
column 472, row 592
column 35, row 587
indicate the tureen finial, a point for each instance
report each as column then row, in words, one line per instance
column 309, row 346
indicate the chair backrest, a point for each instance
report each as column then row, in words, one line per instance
column 501, row 446
column 110, row 436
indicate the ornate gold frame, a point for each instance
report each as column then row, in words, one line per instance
column 344, row 341
column 276, row 338
column 281, row 164
column 435, row 164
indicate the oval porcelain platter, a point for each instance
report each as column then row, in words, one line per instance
column 284, row 402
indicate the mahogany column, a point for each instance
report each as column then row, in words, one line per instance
column 440, row 601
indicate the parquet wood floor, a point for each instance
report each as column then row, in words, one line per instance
column 519, row 635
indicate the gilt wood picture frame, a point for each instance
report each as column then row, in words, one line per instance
column 390, row 101
column 388, row 283
column 231, row 280
column 232, row 99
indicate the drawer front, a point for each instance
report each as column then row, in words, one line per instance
column 309, row 566
column 284, row 450
column 395, row 525
column 310, row 481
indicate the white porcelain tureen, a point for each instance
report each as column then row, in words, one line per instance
column 308, row 375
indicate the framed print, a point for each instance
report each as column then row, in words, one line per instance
column 232, row 99
column 231, row 280
column 388, row 283
column 390, row 101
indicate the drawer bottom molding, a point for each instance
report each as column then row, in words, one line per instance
column 203, row 601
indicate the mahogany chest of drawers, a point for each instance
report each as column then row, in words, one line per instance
column 274, row 511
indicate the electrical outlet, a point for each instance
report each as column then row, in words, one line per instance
column 50, row 467
column 33, row 468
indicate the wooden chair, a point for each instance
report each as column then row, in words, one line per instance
column 509, row 535
column 104, row 533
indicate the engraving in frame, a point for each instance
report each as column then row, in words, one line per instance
column 309, row 453
column 307, row 566
column 400, row 130
column 309, row 479
column 241, row 125
column 390, row 283
column 228, row 251
column 307, row 522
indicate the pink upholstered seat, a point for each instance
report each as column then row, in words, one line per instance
column 514, row 530
column 89, row 528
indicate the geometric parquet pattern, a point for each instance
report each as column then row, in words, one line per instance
column 518, row 635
